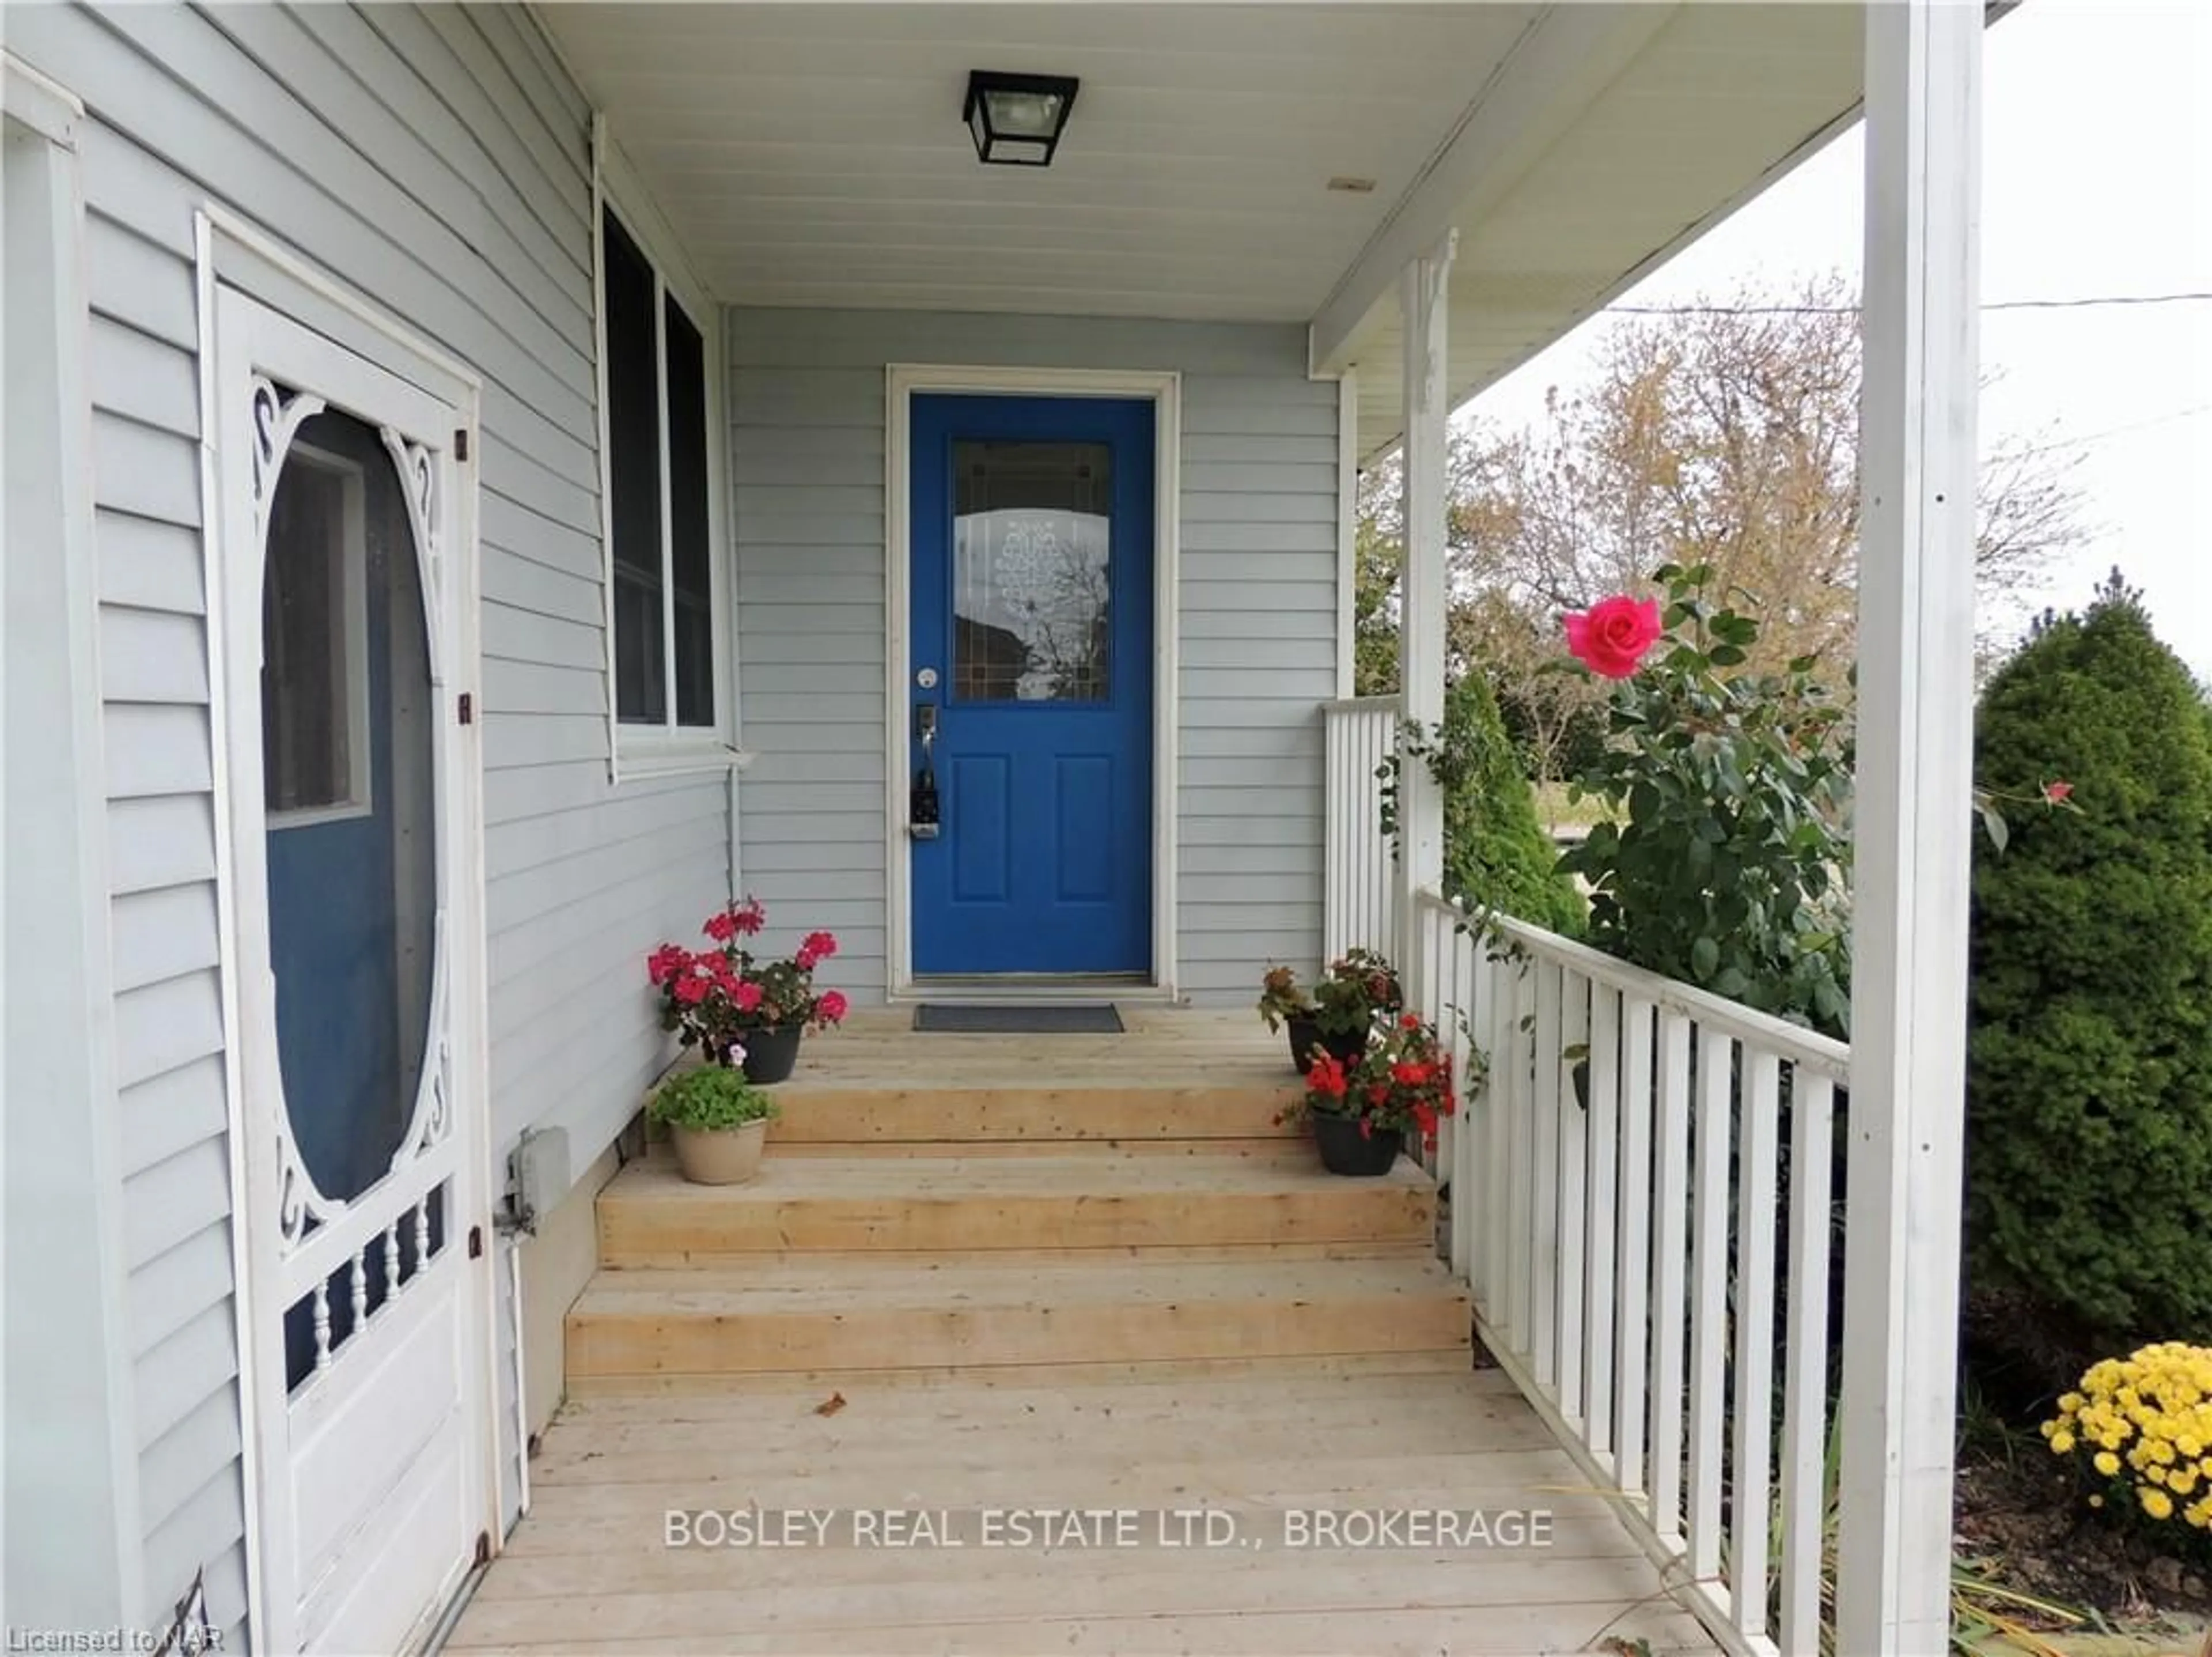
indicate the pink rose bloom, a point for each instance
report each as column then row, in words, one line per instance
column 1612, row 638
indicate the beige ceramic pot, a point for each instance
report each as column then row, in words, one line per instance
column 720, row 1156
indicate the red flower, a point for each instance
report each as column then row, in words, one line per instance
column 748, row 917
column 805, row 959
column 1412, row 1075
column 665, row 962
column 747, row 997
column 721, row 927
column 2056, row 794
column 1410, row 1022
column 1378, row 1092
column 832, row 1007
column 1326, row 1077
column 690, row 989
column 1612, row 636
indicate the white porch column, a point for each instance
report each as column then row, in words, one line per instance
column 1915, row 773
column 1424, row 308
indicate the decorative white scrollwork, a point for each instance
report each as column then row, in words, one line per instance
column 277, row 420
column 300, row 1206
column 417, row 465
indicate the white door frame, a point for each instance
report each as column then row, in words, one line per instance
column 340, row 330
column 1164, row 390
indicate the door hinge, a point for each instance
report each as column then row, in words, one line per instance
column 476, row 1242
column 468, row 708
column 461, row 443
column 483, row 1547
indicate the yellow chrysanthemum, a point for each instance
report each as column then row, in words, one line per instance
column 2107, row 1462
column 2062, row 1442
column 2157, row 1504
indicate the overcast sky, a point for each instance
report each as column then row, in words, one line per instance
column 2097, row 181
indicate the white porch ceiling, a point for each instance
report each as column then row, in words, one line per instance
column 815, row 155
column 1720, row 102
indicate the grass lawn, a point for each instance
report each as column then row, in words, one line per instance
column 1554, row 812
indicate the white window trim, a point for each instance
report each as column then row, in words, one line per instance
column 353, row 619
column 640, row 751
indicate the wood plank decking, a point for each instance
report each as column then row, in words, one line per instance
column 1063, row 1273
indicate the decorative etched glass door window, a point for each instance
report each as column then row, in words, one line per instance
column 1032, row 569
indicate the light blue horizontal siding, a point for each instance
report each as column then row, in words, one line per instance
column 435, row 159
column 1258, row 522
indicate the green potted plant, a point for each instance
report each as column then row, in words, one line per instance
column 725, row 997
column 1285, row 1005
column 1359, row 991
column 718, row 1120
column 1361, row 1112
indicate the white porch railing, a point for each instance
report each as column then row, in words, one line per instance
column 1649, row 1264
column 1359, row 896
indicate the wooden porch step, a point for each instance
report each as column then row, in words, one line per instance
column 1016, row 1108
column 1056, row 1308
column 648, row 1216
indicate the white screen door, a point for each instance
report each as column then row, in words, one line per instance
column 345, row 569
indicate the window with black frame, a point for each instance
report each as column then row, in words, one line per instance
column 657, row 486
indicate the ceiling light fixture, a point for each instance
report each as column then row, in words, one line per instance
column 1016, row 120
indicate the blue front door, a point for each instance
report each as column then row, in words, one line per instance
column 1031, row 656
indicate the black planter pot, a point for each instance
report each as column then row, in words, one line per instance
column 1345, row 1150
column 770, row 1054
column 1306, row 1035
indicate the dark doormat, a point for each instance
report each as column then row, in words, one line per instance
column 1075, row 1018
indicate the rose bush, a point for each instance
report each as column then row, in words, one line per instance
column 1724, row 856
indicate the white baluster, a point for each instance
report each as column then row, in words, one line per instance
column 1574, row 1192
column 322, row 1325
column 1671, row 1226
column 422, row 1234
column 1750, row 1490
column 360, row 1290
column 1708, row 1278
column 1544, row 1228
column 391, row 1259
column 1599, row 1283
column 1805, row 1398
column 1638, row 1022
